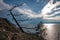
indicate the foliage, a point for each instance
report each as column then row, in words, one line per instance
column 2, row 35
column 41, row 31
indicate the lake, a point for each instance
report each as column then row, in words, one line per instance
column 53, row 31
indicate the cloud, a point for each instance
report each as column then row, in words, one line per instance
column 4, row 5
column 31, row 14
column 37, row 1
column 48, row 9
column 28, row 12
column 54, row 18
column 44, row 12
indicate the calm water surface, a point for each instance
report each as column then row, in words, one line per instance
column 53, row 31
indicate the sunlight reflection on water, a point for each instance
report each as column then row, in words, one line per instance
column 52, row 31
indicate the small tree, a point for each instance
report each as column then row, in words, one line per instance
column 3, row 35
column 41, row 31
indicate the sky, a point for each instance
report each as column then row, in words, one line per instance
column 33, row 10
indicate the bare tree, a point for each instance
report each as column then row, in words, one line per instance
column 41, row 31
column 14, row 17
column 17, row 20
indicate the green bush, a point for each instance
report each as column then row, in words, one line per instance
column 2, row 36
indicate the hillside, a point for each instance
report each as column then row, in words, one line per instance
column 8, row 31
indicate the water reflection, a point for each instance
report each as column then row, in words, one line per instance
column 52, row 31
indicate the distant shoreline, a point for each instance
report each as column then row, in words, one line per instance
column 51, row 22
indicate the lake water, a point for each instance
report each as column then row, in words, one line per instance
column 53, row 31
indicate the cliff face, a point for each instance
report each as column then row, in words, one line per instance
column 8, row 31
